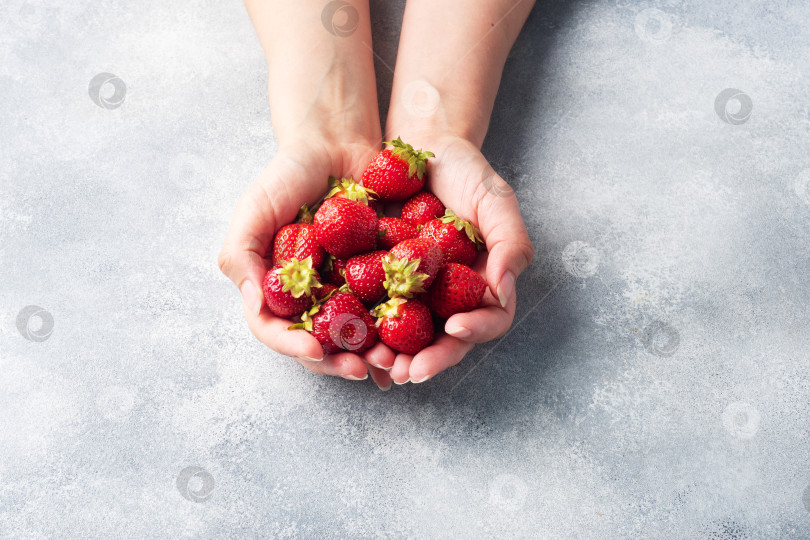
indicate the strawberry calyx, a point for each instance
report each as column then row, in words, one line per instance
column 298, row 277
column 388, row 309
column 348, row 188
column 306, row 317
column 460, row 224
column 416, row 159
column 401, row 277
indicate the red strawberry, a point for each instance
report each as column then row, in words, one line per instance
column 349, row 189
column 365, row 276
column 404, row 325
column 334, row 270
column 411, row 266
column 458, row 239
column 393, row 230
column 340, row 323
column 422, row 207
column 398, row 173
column 344, row 227
column 297, row 241
column 324, row 290
column 288, row 288
column 456, row 289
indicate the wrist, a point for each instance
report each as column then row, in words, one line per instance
column 421, row 111
column 330, row 123
column 429, row 136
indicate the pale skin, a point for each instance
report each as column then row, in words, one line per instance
column 325, row 116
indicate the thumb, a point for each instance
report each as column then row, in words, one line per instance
column 246, row 269
column 241, row 256
column 510, row 249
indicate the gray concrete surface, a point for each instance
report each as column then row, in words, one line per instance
column 655, row 386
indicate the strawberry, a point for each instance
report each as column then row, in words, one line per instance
column 393, row 230
column 288, row 288
column 404, row 325
column 334, row 270
column 344, row 227
column 456, row 289
column 411, row 266
column 458, row 239
column 348, row 188
column 421, row 208
column 297, row 241
column 324, row 290
column 365, row 276
column 342, row 322
column 397, row 173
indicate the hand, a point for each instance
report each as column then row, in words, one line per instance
column 465, row 182
column 298, row 174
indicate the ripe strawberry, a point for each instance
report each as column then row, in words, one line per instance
column 334, row 270
column 288, row 289
column 422, row 207
column 297, row 241
column 393, row 230
column 397, row 173
column 344, row 227
column 404, row 325
column 325, row 290
column 456, row 289
column 458, row 239
column 411, row 266
column 342, row 322
column 349, row 189
column 365, row 276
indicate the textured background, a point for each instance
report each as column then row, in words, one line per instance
column 656, row 384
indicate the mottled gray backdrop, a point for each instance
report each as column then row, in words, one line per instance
column 656, row 385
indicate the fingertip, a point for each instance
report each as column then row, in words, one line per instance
column 380, row 356
column 276, row 334
column 380, row 377
column 446, row 351
column 400, row 373
column 481, row 325
column 457, row 331
column 252, row 297
column 350, row 366
column 505, row 288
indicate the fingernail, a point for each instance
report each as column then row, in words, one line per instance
column 307, row 359
column 250, row 297
column 401, row 383
column 458, row 331
column 353, row 378
column 382, row 368
column 385, row 388
column 505, row 287
column 423, row 379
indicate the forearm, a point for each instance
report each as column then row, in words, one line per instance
column 459, row 47
column 319, row 81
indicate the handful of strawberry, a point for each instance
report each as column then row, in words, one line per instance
column 351, row 276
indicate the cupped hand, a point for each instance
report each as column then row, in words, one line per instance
column 465, row 182
column 297, row 175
